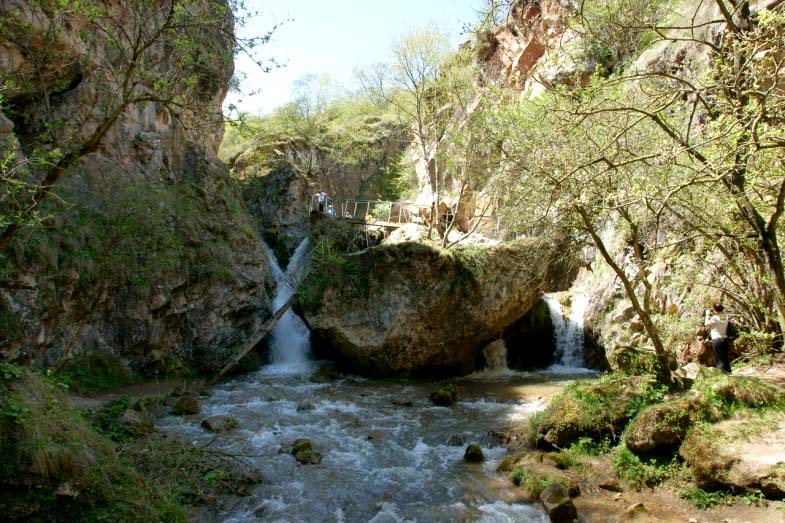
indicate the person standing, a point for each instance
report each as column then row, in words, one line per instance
column 322, row 197
column 719, row 336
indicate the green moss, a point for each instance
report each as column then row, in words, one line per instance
column 729, row 393
column 597, row 410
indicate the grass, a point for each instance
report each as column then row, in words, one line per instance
column 532, row 483
column 704, row 499
column 57, row 464
column 637, row 472
column 95, row 373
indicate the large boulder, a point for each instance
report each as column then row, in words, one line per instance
column 597, row 411
column 743, row 454
column 413, row 309
column 661, row 428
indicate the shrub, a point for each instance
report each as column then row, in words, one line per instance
column 638, row 472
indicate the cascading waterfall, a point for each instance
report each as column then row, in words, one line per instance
column 290, row 339
column 568, row 331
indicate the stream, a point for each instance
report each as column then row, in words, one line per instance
column 389, row 454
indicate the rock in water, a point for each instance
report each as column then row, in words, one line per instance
column 417, row 311
column 443, row 396
column 558, row 505
column 187, row 405
column 474, row 454
column 220, row 424
column 304, row 453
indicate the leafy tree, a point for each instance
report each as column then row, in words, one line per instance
column 131, row 49
column 413, row 84
column 674, row 155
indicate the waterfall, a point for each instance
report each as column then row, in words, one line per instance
column 568, row 331
column 290, row 339
column 495, row 357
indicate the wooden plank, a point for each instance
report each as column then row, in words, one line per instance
column 264, row 331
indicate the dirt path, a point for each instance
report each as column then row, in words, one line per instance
column 138, row 390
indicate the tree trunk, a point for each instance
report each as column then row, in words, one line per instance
column 663, row 363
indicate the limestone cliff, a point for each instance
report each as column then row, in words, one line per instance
column 281, row 172
column 414, row 310
column 145, row 253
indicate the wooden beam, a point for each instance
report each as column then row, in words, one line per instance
column 250, row 344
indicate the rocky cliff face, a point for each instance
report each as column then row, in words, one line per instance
column 425, row 312
column 146, row 253
column 280, row 176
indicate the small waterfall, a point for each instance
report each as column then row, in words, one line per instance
column 495, row 357
column 568, row 331
column 290, row 339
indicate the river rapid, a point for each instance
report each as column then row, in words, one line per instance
column 389, row 454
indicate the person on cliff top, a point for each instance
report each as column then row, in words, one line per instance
column 719, row 336
column 321, row 197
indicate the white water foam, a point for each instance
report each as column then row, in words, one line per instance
column 290, row 339
column 568, row 333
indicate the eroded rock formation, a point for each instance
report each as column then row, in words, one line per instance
column 421, row 311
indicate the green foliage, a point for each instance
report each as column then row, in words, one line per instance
column 703, row 499
column 95, row 373
column 50, row 446
column 533, row 483
column 638, row 472
column 104, row 420
column 633, row 362
column 331, row 268
column 590, row 447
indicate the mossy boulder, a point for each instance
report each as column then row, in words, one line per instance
column 474, row 454
column 220, row 424
column 730, row 390
column 660, row 429
column 186, row 405
column 596, row 410
column 444, row 396
column 304, row 453
column 137, row 423
column 414, row 309
column 558, row 505
column 742, row 454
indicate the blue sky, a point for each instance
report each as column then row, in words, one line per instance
column 335, row 37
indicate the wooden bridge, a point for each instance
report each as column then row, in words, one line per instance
column 381, row 213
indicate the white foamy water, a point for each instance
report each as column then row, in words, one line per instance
column 290, row 340
column 568, row 334
column 389, row 454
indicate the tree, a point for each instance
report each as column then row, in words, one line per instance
column 128, row 50
column 412, row 83
column 671, row 153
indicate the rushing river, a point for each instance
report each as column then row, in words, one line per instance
column 389, row 454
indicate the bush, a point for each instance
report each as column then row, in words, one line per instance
column 637, row 472
column 95, row 373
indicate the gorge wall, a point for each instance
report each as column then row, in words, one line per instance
column 145, row 253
